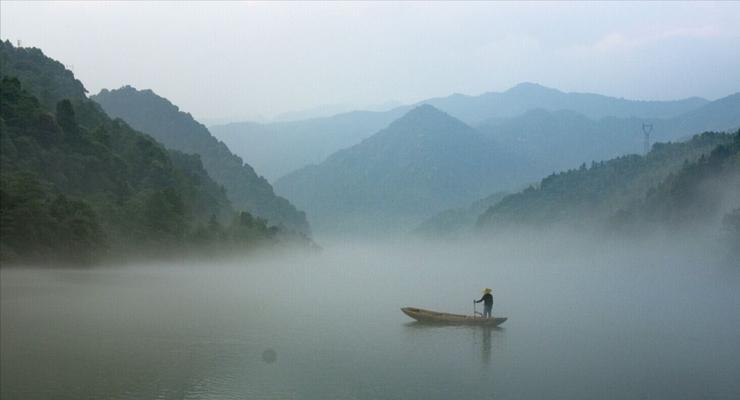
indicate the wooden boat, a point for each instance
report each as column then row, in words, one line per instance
column 434, row 317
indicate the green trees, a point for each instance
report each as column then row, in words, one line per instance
column 164, row 217
column 76, row 186
column 66, row 118
column 699, row 191
column 607, row 191
column 688, row 187
column 37, row 226
column 177, row 130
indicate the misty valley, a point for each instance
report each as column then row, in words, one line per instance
column 552, row 244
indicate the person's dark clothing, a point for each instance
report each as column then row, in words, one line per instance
column 487, row 300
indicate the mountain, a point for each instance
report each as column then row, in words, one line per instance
column 146, row 111
column 564, row 139
column 706, row 190
column 329, row 110
column 454, row 222
column 47, row 79
column 422, row 163
column 279, row 148
column 77, row 186
column 590, row 197
column 719, row 115
column 527, row 96
column 326, row 110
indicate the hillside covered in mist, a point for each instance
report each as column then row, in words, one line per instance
column 156, row 116
column 278, row 148
column 678, row 187
column 315, row 139
column 436, row 168
column 456, row 222
column 78, row 186
column 564, row 138
column 377, row 185
column 420, row 164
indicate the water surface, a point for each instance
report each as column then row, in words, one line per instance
column 614, row 322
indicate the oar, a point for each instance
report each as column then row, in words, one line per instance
column 475, row 312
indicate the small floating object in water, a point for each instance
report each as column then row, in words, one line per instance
column 269, row 356
column 434, row 317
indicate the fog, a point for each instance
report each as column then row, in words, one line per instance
column 193, row 278
column 588, row 318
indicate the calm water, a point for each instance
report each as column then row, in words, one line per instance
column 615, row 322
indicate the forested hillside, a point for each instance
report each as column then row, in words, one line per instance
column 705, row 190
column 77, row 186
column 146, row 111
column 423, row 163
column 663, row 184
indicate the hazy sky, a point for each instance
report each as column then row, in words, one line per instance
column 243, row 60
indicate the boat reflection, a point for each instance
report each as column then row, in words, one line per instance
column 479, row 334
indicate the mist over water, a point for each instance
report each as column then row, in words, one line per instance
column 587, row 319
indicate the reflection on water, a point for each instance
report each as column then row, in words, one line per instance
column 607, row 324
column 486, row 347
column 482, row 336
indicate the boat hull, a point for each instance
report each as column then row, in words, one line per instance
column 440, row 318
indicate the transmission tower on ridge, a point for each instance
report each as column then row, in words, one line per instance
column 646, row 129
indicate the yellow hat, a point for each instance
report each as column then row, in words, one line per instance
column 487, row 290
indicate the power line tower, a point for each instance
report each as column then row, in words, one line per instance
column 646, row 129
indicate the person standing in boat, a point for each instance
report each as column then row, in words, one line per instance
column 487, row 301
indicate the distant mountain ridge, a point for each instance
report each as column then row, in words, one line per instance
column 522, row 148
column 295, row 144
column 564, row 139
column 279, row 148
column 527, row 96
column 422, row 163
column 146, row 111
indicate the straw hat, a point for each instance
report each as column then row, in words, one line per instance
column 487, row 290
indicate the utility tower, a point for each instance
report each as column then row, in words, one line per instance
column 646, row 129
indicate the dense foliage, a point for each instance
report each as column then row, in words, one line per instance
column 156, row 116
column 77, row 186
column 46, row 78
column 675, row 185
column 703, row 190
